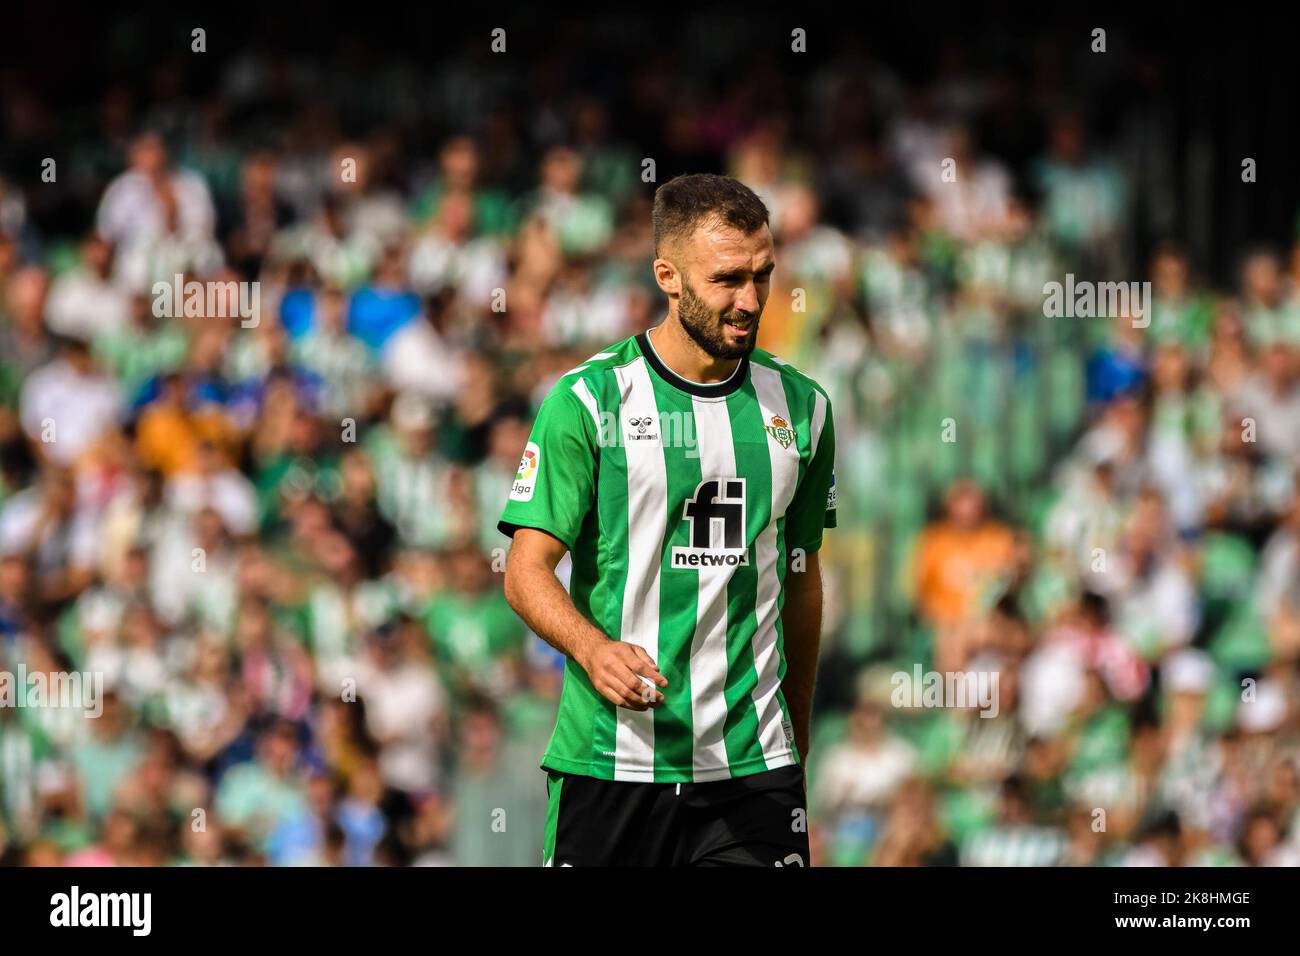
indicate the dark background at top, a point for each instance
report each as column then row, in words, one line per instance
column 1223, row 87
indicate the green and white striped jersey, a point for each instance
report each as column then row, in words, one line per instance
column 683, row 507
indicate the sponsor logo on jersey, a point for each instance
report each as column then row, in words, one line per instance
column 780, row 429
column 642, row 426
column 830, row 494
column 526, row 476
column 716, row 514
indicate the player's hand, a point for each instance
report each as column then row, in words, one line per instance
column 613, row 668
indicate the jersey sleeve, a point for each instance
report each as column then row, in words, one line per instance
column 813, row 507
column 555, row 486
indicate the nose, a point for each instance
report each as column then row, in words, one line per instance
column 747, row 299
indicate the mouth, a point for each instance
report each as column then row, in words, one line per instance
column 740, row 327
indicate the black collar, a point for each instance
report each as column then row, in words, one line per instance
column 702, row 389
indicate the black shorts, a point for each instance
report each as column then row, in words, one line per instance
column 756, row 820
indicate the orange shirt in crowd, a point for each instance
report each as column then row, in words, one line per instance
column 168, row 438
column 953, row 564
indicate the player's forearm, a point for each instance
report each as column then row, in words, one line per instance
column 801, row 624
column 538, row 597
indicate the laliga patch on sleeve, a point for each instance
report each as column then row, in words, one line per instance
column 830, row 495
column 526, row 477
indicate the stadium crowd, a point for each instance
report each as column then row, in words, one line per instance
column 275, row 536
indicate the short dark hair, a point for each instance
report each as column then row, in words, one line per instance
column 684, row 202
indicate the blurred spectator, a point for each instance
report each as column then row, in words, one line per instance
column 254, row 797
column 956, row 559
column 152, row 212
column 1015, row 840
column 859, row 777
column 84, row 303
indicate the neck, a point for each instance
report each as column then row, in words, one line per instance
column 683, row 355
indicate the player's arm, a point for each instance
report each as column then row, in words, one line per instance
column 553, row 493
column 801, row 623
column 540, row 599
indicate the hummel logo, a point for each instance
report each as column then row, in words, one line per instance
column 641, row 424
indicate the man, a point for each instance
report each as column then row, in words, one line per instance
column 690, row 476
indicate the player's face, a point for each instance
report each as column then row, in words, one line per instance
column 725, row 284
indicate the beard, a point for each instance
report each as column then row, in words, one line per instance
column 705, row 327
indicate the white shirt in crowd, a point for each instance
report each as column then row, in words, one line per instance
column 131, row 211
column 74, row 543
column 67, row 411
column 227, row 492
column 84, row 305
column 855, row 778
column 401, row 707
column 133, row 217
column 417, row 359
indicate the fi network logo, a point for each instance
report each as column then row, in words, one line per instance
column 716, row 515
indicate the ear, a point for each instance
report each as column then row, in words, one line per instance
column 668, row 277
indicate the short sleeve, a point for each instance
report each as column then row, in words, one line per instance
column 555, row 486
column 813, row 506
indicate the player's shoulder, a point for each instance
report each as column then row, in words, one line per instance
column 601, row 363
column 799, row 382
column 583, row 381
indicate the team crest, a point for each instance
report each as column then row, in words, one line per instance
column 780, row 430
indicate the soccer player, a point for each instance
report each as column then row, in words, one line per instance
column 689, row 475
